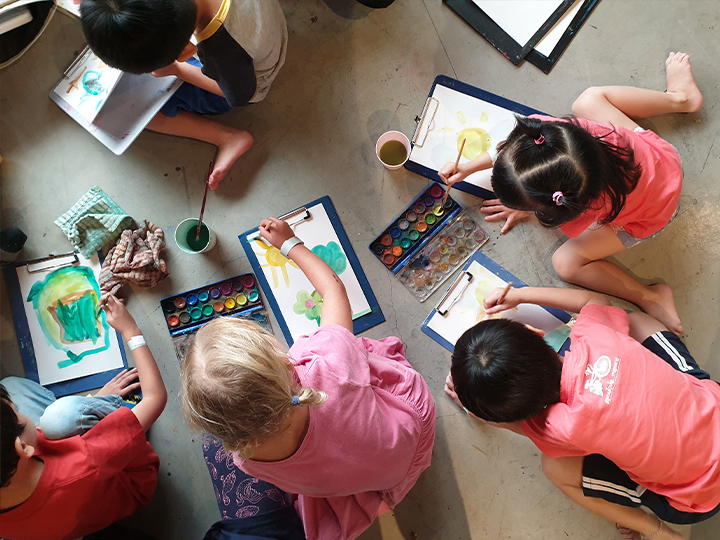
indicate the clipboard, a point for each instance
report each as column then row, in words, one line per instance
column 372, row 318
column 552, row 317
column 484, row 25
column 121, row 110
column 428, row 122
column 22, row 329
column 546, row 63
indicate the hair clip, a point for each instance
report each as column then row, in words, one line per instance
column 540, row 139
column 558, row 198
column 295, row 401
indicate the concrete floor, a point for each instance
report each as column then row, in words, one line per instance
column 351, row 74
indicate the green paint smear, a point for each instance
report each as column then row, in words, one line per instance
column 309, row 305
column 66, row 304
column 333, row 255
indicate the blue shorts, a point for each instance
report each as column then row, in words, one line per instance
column 602, row 479
column 190, row 98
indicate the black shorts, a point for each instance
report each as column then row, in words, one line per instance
column 604, row 480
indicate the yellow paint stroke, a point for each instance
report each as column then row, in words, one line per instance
column 461, row 117
column 477, row 142
column 275, row 259
column 484, row 117
column 447, row 130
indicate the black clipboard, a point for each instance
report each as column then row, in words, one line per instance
column 546, row 63
column 499, row 38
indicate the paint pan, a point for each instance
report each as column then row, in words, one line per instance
column 188, row 311
column 414, row 226
column 426, row 243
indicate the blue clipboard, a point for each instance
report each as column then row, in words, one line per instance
column 484, row 95
column 503, row 274
column 27, row 351
column 360, row 324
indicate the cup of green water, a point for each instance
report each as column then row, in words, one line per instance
column 393, row 149
column 185, row 237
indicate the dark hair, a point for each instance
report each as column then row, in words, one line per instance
column 589, row 171
column 10, row 429
column 138, row 36
column 505, row 372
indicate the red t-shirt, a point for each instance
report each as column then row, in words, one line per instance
column 649, row 207
column 88, row 482
column 620, row 400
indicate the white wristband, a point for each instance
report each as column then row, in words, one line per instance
column 136, row 342
column 289, row 244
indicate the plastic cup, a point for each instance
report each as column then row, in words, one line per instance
column 392, row 136
column 181, row 232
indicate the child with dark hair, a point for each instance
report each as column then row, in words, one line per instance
column 606, row 182
column 241, row 48
column 97, row 468
column 625, row 419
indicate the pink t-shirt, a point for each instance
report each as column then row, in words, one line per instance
column 367, row 444
column 651, row 205
column 620, row 400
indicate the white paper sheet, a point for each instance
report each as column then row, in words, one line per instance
column 468, row 310
column 52, row 347
column 521, row 19
column 87, row 86
column 292, row 289
column 550, row 40
column 456, row 113
column 134, row 101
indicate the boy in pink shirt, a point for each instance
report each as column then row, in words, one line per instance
column 625, row 419
column 344, row 424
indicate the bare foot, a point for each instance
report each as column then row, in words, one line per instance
column 661, row 306
column 681, row 83
column 665, row 533
column 234, row 145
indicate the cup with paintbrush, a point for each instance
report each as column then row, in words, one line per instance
column 192, row 235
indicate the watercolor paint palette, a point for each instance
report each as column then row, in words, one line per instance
column 427, row 242
column 188, row 311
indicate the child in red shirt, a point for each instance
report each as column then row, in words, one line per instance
column 62, row 489
column 625, row 419
column 605, row 181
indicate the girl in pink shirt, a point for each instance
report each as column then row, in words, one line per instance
column 344, row 423
column 601, row 178
column 626, row 418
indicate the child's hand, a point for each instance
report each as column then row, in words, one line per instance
column 498, row 211
column 491, row 304
column 168, row 71
column 275, row 231
column 448, row 174
column 120, row 319
column 120, row 385
column 450, row 391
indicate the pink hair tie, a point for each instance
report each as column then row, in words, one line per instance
column 540, row 139
column 557, row 198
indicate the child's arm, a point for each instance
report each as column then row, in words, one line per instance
column 153, row 388
column 190, row 74
column 336, row 305
column 572, row 300
column 464, row 170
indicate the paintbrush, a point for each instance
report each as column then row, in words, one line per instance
column 99, row 311
column 457, row 161
column 202, row 210
column 504, row 293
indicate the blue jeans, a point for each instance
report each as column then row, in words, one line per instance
column 58, row 418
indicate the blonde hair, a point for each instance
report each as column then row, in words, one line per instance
column 238, row 385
